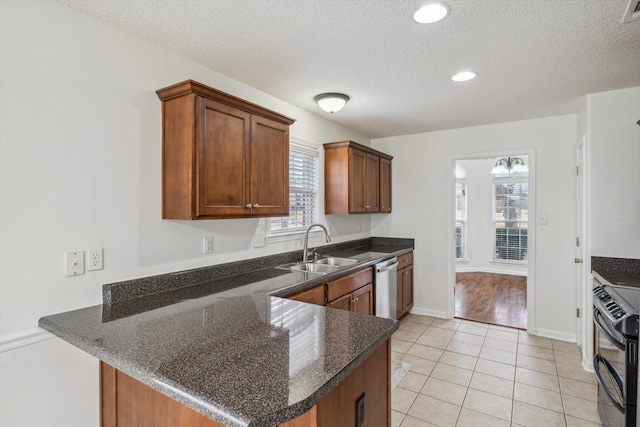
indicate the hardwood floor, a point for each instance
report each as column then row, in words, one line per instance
column 498, row 299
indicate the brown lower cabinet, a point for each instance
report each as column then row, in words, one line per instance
column 126, row 402
column 404, row 285
column 353, row 292
column 359, row 301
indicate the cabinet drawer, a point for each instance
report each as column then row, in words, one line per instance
column 312, row 296
column 349, row 283
column 404, row 260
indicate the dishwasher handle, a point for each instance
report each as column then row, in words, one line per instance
column 388, row 265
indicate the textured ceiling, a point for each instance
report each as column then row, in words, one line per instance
column 534, row 58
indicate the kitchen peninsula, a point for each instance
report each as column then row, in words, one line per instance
column 225, row 342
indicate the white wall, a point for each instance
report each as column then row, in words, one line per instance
column 420, row 209
column 614, row 156
column 80, row 139
column 479, row 220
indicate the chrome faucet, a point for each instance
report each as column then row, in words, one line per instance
column 305, row 254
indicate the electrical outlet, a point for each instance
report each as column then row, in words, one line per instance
column 207, row 245
column 74, row 263
column 96, row 259
column 259, row 242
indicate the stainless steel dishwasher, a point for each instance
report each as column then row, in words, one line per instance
column 386, row 291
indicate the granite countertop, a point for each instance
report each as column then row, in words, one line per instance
column 623, row 272
column 230, row 347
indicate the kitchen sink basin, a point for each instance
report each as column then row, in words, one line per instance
column 314, row 267
column 340, row 262
column 320, row 266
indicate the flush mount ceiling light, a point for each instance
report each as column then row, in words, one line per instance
column 509, row 165
column 431, row 12
column 331, row 102
column 464, row 76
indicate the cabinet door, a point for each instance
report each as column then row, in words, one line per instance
column 357, row 177
column 407, row 284
column 342, row 303
column 400, row 293
column 269, row 167
column 363, row 300
column 385, row 185
column 372, row 183
column 222, row 171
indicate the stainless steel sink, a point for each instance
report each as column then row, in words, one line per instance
column 320, row 266
column 314, row 267
column 340, row 262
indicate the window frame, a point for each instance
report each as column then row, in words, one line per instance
column 501, row 180
column 308, row 149
column 463, row 222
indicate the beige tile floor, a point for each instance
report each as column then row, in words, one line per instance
column 471, row 374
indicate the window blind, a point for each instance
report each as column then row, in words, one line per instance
column 510, row 221
column 461, row 220
column 303, row 191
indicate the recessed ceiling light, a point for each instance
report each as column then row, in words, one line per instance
column 463, row 76
column 431, row 12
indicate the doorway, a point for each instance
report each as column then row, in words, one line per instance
column 493, row 230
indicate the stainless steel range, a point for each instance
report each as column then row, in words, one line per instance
column 616, row 356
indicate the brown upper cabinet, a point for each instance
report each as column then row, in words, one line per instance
column 357, row 179
column 222, row 157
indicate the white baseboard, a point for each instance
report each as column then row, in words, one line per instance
column 23, row 338
column 490, row 270
column 427, row 312
column 587, row 365
column 556, row 335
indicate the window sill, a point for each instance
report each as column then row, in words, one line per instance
column 294, row 235
column 508, row 262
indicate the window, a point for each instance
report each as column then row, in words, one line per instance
column 303, row 191
column 461, row 212
column 510, row 219
column 461, row 220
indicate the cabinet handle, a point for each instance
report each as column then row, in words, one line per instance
column 256, row 206
column 367, row 207
column 248, row 206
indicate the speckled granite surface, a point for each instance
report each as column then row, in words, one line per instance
column 618, row 271
column 229, row 347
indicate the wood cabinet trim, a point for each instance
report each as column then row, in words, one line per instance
column 191, row 86
column 351, row 144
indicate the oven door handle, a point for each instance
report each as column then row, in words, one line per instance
column 596, row 366
column 604, row 330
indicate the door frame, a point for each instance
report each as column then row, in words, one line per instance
column 583, row 285
column 531, row 256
